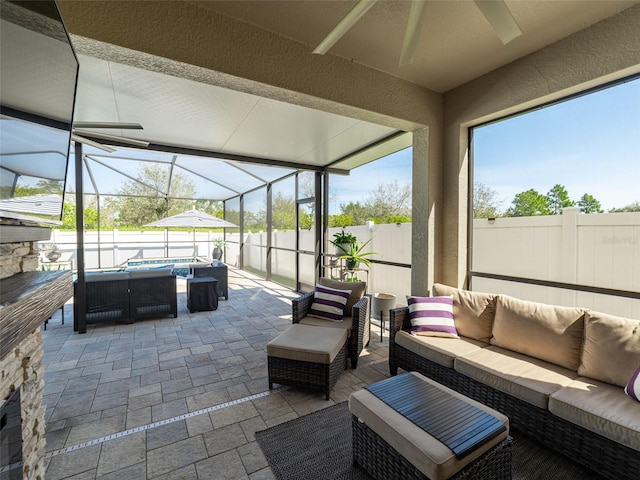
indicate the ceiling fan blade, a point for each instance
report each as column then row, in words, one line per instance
column 118, row 125
column 86, row 141
column 112, row 138
column 412, row 33
column 498, row 15
column 345, row 24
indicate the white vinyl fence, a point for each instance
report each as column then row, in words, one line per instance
column 598, row 250
column 391, row 242
column 113, row 248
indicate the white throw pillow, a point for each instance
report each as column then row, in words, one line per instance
column 328, row 303
column 432, row 316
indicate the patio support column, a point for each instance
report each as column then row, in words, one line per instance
column 269, row 228
column 423, row 218
column 241, row 239
column 318, row 223
column 80, row 323
column 325, row 220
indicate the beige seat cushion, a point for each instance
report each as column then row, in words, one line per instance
column 542, row 331
column 473, row 312
column 440, row 350
column 433, row 458
column 601, row 408
column 611, row 351
column 308, row 344
column 521, row 376
column 151, row 272
column 344, row 324
column 357, row 290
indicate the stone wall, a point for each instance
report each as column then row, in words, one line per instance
column 18, row 257
column 23, row 368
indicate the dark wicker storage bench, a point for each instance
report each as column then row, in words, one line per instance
column 125, row 297
column 606, row 457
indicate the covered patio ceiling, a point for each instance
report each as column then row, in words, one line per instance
column 186, row 109
column 189, row 117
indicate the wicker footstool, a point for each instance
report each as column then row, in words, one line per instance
column 390, row 446
column 308, row 357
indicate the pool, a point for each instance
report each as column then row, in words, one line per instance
column 180, row 265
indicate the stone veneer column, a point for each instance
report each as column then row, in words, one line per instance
column 23, row 368
column 18, row 257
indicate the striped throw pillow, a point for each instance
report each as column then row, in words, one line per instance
column 432, row 316
column 633, row 387
column 328, row 303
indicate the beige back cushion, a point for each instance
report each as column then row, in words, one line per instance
column 357, row 291
column 473, row 312
column 547, row 332
column 611, row 351
column 102, row 276
column 151, row 272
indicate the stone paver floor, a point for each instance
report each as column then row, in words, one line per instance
column 178, row 398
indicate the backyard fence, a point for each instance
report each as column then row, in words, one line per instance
column 599, row 250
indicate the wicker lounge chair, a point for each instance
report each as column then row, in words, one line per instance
column 357, row 318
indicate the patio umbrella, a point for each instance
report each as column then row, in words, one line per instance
column 194, row 219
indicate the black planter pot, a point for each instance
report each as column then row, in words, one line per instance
column 351, row 264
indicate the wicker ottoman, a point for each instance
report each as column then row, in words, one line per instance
column 308, row 357
column 390, row 446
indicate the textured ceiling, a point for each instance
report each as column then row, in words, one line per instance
column 456, row 43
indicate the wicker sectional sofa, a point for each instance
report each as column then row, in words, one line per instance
column 558, row 373
column 127, row 296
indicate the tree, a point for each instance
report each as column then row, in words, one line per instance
column 69, row 212
column 212, row 207
column 145, row 199
column 486, row 203
column 341, row 220
column 632, row 207
column 588, row 204
column 558, row 198
column 356, row 211
column 388, row 200
column 49, row 186
column 529, row 203
column 283, row 213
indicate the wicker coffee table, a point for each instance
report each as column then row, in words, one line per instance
column 419, row 429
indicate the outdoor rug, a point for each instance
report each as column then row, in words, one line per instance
column 318, row 446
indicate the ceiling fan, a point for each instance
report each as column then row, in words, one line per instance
column 495, row 11
column 81, row 130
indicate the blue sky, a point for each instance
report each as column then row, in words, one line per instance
column 588, row 144
column 357, row 186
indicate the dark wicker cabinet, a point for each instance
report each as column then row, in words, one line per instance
column 219, row 272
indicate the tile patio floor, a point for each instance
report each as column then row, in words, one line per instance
column 178, row 398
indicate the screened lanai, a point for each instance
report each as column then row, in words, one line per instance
column 226, row 151
column 278, row 208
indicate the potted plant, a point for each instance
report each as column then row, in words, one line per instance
column 356, row 255
column 343, row 241
column 218, row 244
column 54, row 253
